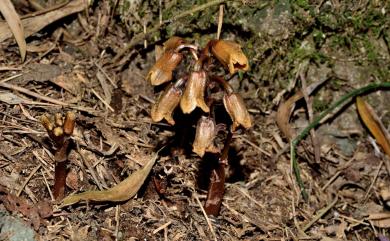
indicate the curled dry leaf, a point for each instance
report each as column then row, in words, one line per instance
column 283, row 115
column 121, row 192
column 373, row 123
column 11, row 16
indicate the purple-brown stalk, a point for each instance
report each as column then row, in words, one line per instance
column 59, row 132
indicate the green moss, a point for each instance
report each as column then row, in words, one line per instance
column 303, row 4
column 319, row 105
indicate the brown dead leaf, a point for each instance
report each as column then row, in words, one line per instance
column 37, row 21
column 72, row 179
column 121, row 192
column 40, row 48
column 381, row 220
column 11, row 98
column 15, row 25
column 80, row 233
column 284, row 112
column 41, row 72
column 340, row 233
column 14, row 203
column 45, row 208
column 374, row 124
column 69, row 82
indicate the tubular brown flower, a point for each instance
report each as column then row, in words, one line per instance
column 194, row 93
column 234, row 105
column 206, row 130
column 230, row 55
column 161, row 71
column 166, row 104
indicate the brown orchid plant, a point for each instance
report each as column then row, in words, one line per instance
column 197, row 89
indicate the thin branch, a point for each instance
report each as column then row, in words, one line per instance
column 33, row 94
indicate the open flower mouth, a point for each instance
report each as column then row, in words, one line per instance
column 240, row 66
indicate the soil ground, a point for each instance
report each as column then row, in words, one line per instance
column 94, row 63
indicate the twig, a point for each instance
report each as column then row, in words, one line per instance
column 249, row 197
column 10, row 78
column 320, row 214
column 162, row 227
column 91, row 170
column 33, row 94
column 220, row 21
column 373, row 182
column 6, row 68
column 316, row 122
column 117, row 218
column 47, row 186
column 102, row 100
column 206, row 217
column 105, row 74
column 27, row 180
column 337, row 174
column 255, row 146
column 309, row 106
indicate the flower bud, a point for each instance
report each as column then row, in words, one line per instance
column 161, row 71
column 69, row 123
column 206, row 130
column 194, row 93
column 235, row 107
column 58, row 120
column 166, row 104
column 230, row 55
column 47, row 123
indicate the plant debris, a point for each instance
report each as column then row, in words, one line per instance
column 154, row 132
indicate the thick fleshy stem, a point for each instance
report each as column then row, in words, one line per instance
column 204, row 57
column 60, row 132
column 217, row 181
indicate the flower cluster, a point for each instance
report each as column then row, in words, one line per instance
column 193, row 90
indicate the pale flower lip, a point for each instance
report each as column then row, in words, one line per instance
column 194, row 93
column 235, row 107
column 161, row 72
column 206, row 131
column 173, row 42
column 166, row 104
column 229, row 53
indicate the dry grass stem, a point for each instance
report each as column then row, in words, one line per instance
column 206, row 217
column 27, row 180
